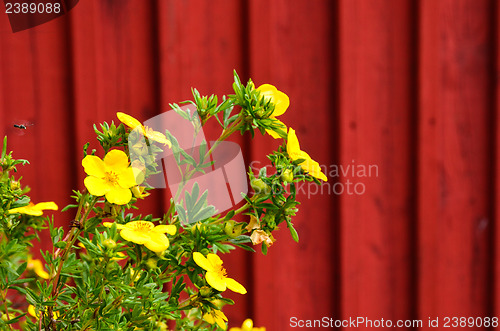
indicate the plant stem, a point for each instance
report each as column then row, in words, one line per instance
column 4, row 299
column 75, row 233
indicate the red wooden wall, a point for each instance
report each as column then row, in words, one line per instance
column 407, row 86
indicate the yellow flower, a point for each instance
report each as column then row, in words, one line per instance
column 309, row 165
column 32, row 312
column 247, row 326
column 37, row 266
column 281, row 103
column 139, row 192
column 148, row 132
column 216, row 275
column 146, row 233
column 216, row 316
column 111, row 177
column 140, row 175
column 34, row 210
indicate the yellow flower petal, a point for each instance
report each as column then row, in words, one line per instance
column 282, row 102
column 142, row 233
column 220, row 319
column 32, row 311
column 170, row 229
column 308, row 165
column 292, row 144
column 94, row 166
column 134, row 236
column 128, row 120
column 96, row 186
column 158, row 242
column 214, row 260
column 34, row 210
column 314, row 169
column 215, row 280
column 279, row 99
column 216, row 316
column 235, row 286
column 202, row 261
column 139, row 174
column 138, row 192
column 28, row 210
column 209, row 318
column 126, row 178
column 301, row 155
column 119, row 256
column 158, row 137
column 37, row 266
column 42, row 274
column 116, row 159
column 119, row 195
column 110, row 224
column 273, row 133
column 46, row 206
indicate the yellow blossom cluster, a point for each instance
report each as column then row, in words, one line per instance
column 281, row 103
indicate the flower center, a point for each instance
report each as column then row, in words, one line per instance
column 111, row 177
column 221, row 271
column 148, row 130
column 141, row 226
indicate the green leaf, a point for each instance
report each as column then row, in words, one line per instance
column 293, row 232
column 264, row 249
column 60, row 244
column 4, row 150
column 15, row 319
column 21, row 268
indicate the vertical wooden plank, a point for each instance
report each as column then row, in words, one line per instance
column 114, row 70
column 291, row 47
column 495, row 302
column 200, row 44
column 375, row 105
column 455, row 221
column 36, row 87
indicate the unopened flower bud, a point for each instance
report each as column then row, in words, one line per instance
column 151, row 263
column 14, row 185
column 160, row 254
column 287, row 176
column 247, row 325
column 109, row 243
column 196, row 227
column 205, row 291
column 269, row 220
column 161, row 326
column 259, row 186
column 228, row 227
